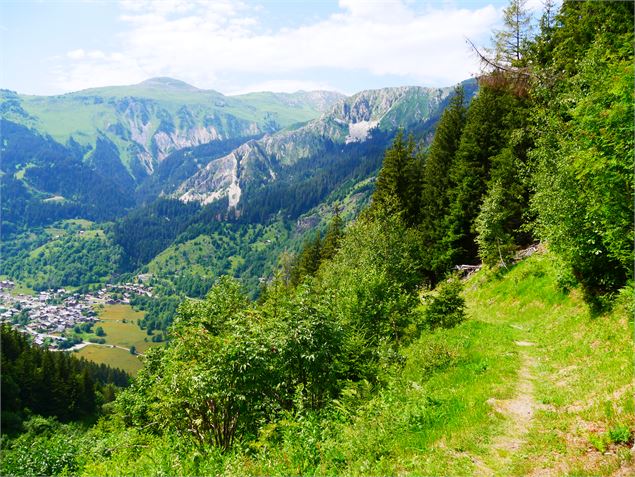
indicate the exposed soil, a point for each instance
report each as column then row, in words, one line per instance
column 519, row 412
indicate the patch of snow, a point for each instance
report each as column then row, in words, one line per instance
column 358, row 132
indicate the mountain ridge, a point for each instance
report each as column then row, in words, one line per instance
column 250, row 157
column 350, row 120
column 151, row 119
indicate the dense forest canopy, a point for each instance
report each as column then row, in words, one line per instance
column 51, row 384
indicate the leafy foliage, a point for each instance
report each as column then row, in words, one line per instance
column 584, row 177
column 71, row 260
column 47, row 448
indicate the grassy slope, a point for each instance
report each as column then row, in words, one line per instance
column 469, row 401
column 120, row 334
column 580, row 368
column 491, row 406
column 78, row 115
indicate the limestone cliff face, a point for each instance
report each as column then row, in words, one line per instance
column 148, row 121
column 349, row 120
column 156, row 131
column 219, row 181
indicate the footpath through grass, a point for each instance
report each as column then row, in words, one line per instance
column 572, row 409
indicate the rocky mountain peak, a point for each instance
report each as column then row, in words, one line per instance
column 370, row 105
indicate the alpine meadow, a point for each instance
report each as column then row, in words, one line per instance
column 408, row 280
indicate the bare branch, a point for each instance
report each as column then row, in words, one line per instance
column 494, row 64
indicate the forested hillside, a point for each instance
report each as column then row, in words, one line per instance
column 84, row 154
column 370, row 352
column 52, row 384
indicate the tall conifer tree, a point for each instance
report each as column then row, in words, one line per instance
column 436, row 181
column 484, row 136
column 395, row 180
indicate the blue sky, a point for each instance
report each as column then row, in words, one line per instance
column 52, row 47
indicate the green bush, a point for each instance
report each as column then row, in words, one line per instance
column 445, row 307
column 41, row 454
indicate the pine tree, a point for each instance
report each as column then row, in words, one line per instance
column 436, row 181
column 308, row 260
column 395, row 180
column 332, row 237
column 485, row 134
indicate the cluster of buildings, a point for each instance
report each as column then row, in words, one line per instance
column 48, row 314
column 125, row 290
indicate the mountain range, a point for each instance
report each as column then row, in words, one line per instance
column 109, row 154
column 165, row 137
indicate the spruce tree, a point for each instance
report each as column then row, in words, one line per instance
column 308, row 260
column 436, row 181
column 484, row 136
column 395, row 180
column 332, row 237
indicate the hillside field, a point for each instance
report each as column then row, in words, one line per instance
column 122, row 334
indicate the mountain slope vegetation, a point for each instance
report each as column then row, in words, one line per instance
column 369, row 352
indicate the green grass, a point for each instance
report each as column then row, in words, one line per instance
column 94, row 233
column 113, row 357
column 66, row 227
column 20, row 288
column 122, row 333
column 55, row 231
column 20, row 174
column 80, row 116
column 197, row 255
column 78, row 223
column 119, row 333
column 583, row 374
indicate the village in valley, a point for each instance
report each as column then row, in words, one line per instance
column 48, row 315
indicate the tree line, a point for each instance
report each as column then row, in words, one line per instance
column 38, row 381
column 544, row 152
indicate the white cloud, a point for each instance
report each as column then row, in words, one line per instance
column 76, row 54
column 218, row 45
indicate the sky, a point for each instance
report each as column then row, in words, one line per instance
column 52, row 46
